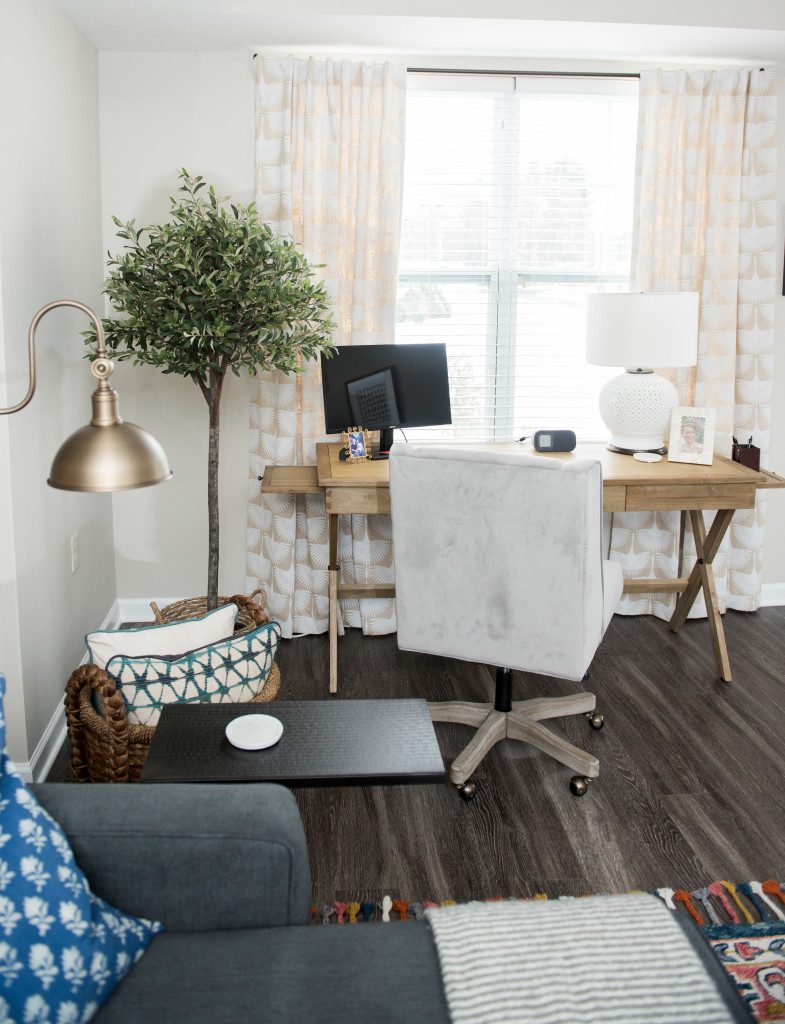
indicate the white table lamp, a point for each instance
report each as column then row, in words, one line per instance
column 640, row 331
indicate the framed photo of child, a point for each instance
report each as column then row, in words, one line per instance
column 356, row 444
column 692, row 436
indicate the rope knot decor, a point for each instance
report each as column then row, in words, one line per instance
column 754, row 893
column 682, row 896
column 386, row 908
column 417, row 910
column 340, row 910
column 772, row 888
column 401, row 907
column 353, row 910
column 703, row 897
column 717, row 889
column 735, row 897
column 326, row 911
column 368, row 911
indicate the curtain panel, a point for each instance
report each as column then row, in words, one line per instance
column 329, row 173
column 705, row 221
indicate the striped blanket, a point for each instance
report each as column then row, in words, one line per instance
column 601, row 959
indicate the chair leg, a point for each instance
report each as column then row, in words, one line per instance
column 540, row 708
column 463, row 712
column 521, row 727
column 492, row 730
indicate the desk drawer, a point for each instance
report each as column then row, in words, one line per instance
column 677, row 497
column 365, row 500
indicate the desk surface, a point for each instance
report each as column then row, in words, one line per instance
column 618, row 470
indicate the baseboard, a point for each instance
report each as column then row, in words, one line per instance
column 137, row 609
column 48, row 747
column 772, row 595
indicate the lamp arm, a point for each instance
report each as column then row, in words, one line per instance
column 100, row 348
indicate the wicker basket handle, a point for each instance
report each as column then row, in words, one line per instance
column 92, row 677
column 256, row 609
column 159, row 619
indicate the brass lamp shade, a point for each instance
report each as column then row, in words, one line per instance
column 107, row 454
column 118, row 457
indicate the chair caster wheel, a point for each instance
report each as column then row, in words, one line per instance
column 579, row 784
column 468, row 791
column 596, row 720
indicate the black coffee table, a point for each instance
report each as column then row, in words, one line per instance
column 324, row 743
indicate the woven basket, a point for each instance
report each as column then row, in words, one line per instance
column 250, row 613
column 105, row 747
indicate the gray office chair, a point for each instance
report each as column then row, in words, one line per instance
column 498, row 560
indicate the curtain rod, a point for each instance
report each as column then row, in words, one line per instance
column 522, row 74
column 525, row 74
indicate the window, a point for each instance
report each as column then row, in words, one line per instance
column 517, row 203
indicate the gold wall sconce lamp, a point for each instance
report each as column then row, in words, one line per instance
column 108, row 454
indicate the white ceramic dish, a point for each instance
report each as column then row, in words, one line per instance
column 254, row 732
column 647, row 457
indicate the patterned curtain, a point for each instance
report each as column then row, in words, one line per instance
column 705, row 221
column 329, row 173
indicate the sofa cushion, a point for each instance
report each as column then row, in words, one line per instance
column 352, row 974
column 204, row 856
column 229, row 671
column 172, row 639
column 62, row 949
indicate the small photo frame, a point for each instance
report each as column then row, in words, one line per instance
column 356, row 443
column 692, row 436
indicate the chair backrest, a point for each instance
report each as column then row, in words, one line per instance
column 498, row 557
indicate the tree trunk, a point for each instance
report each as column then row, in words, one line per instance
column 214, row 405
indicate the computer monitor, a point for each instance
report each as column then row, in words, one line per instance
column 380, row 387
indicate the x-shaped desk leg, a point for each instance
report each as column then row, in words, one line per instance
column 702, row 578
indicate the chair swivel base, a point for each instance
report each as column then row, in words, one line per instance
column 520, row 722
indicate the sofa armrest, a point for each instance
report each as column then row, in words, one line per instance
column 196, row 857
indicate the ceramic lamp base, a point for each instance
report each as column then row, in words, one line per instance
column 636, row 408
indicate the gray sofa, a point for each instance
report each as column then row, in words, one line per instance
column 225, row 868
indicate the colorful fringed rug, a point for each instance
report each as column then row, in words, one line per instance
column 744, row 924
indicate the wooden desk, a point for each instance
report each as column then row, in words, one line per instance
column 364, row 487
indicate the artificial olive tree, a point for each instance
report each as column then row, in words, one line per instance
column 211, row 291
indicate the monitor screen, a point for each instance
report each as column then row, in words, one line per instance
column 381, row 386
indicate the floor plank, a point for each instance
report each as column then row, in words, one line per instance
column 691, row 788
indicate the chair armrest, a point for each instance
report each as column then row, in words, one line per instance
column 196, row 857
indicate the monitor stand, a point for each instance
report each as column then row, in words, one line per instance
column 386, row 437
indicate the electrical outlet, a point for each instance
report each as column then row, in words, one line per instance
column 74, row 552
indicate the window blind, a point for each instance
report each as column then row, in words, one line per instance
column 517, row 203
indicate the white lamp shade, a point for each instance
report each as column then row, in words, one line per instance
column 646, row 330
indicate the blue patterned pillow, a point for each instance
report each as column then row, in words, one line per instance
column 62, row 949
column 226, row 672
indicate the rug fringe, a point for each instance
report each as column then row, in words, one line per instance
column 722, row 903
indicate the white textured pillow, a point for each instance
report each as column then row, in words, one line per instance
column 174, row 639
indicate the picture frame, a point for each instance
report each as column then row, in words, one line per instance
column 356, row 443
column 692, row 435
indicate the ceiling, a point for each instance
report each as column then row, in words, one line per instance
column 700, row 31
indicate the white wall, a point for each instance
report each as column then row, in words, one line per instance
column 50, row 247
column 160, row 112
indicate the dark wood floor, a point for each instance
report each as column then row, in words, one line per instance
column 692, row 783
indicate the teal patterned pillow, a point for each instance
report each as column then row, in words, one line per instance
column 229, row 671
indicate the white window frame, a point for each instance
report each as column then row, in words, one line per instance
column 504, row 278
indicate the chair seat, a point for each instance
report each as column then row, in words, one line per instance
column 612, row 586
